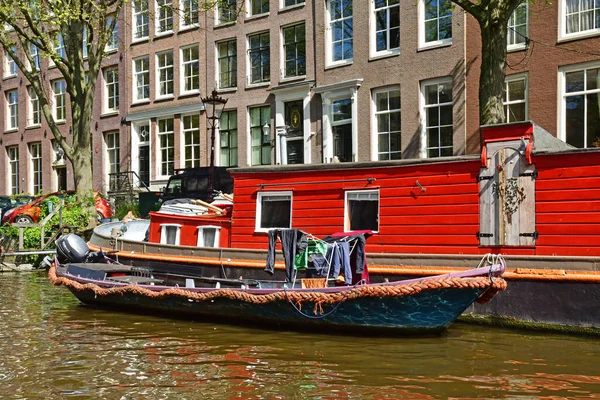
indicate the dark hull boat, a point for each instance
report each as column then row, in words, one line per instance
column 428, row 304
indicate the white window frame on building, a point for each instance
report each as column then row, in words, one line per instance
column 291, row 3
column 514, row 99
column 35, row 158
column 190, row 70
column 352, row 220
column 140, row 24
column 10, row 65
column 279, row 196
column 141, row 79
column 426, row 147
column 113, row 160
column 163, row 17
column 141, row 138
column 34, row 52
column 256, row 135
column 34, row 113
column 570, row 21
column 293, row 54
column 257, row 7
column 387, row 114
column 438, row 14
column 189, row 14
column 388, row 33
column 59, row 105
column 226, row 12
column 202, row 236
column 518, row 28
column 12, row 110
column 111, row 90
column 164, row 234
column 166, row 148
column 227, row 139
column 12, row 153
column 59, row 47
column 226, row 64
column 285, row 133
column 113, row 41
column 263, row 70
column 190, row 132
column 584, row 92
column 339, row 32
column 85, row 45
column 165, row 75
column 329, row 95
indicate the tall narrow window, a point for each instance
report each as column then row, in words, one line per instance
column 436, row 22
column 362, row 210
column 580, row 17
column 260, row 59
column 273, row 210
column 261, row 148
column 341, row 31
column 113, row 41
column 35, row 153
column 208, row 236
column 258, row 7
column 59, row 89
column 141, row 21
column 141, row 71
column 387, row 121
column 341, row 129
column 11, row 68
column 35, row 56
column 167, row 148
column 191, row 69
column 13, row 165
column 34, row 113
column 111, row 79
column 228, row 134
column 515, row 98
column 164, row 14
column 59, row 45
column 85, row 45
column 189, row 15
column 438, row 127
column 293, row 143
column 112, row 153
column 226, row 11
column 386, row 35
column 165, row 73
column 581, row 106
column 227, row 64
column 12, row 109
column 169, row 234
column 518, row 27
column 294, row 49
column 191, row 135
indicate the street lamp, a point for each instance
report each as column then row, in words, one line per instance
column 266, row 129
column 214, row 108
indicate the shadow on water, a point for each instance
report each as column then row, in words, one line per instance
column 53, row 347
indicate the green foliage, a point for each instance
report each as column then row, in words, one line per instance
column 124, row 207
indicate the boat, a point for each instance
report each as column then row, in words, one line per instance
column 424, row 305
column 528, row 196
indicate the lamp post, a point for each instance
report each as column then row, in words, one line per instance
column 214, row 108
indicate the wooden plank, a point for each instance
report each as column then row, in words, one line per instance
column 449, row 209
column 568, row 183
column 566, row 218
column 435, row 220
column 574, row 229
column 431, row 190
column 527, row 209
column 566, row 206
column 568, row 240
column 433, row 230
column 568, row 195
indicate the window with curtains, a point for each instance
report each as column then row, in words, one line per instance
column 580, row 18
column 273, row 210
column 515, row 98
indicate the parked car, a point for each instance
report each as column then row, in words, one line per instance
column 9, row 202
column 30, row 213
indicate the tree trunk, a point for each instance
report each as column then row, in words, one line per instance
column 493, row 69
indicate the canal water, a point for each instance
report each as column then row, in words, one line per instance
column 52, row 347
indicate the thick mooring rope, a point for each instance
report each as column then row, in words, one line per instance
column 493, row 286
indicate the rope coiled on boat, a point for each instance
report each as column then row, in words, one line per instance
column 492, row 286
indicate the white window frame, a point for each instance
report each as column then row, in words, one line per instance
column 188, row 6
column 259, row 197
column 284, row 73
column 297, row 3
column 144, row 15
column 196, row 147
column 281, row 141
column 423, row 44
column 562, row 25
column 562, row 93
column 12, row 110
column 329, row 52
column 374, row 121
column 373, row 32
column 219, row 9
column 59, row 96
column 218, row 63
column 10, row 65
column 34, row 112
column 112, row 167
column 261, row 82
column 249, row 8
column 145, row 74
column 424, row 107
column 35, row 56
column 111, row 78
column 59, row 47
column 113, row 41
column 200, row 231
column 35, row 158
column 183, row 75
column 159, row 18
column 160, row 69
column 163, row 233
column 369, row 193
column 511, row 26
column 506, row 102
column 13, row 166
column 159, row 156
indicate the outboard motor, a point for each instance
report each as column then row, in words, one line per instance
column 71, row 248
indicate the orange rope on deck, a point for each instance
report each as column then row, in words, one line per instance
column 493, row 286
